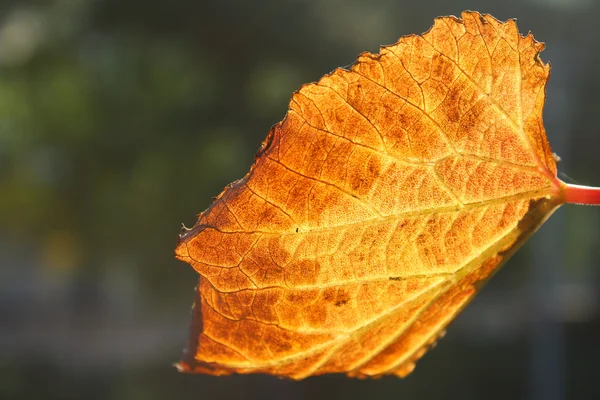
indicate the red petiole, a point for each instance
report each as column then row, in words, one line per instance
column 577, row 194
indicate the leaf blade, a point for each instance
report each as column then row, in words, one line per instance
column 417, row 167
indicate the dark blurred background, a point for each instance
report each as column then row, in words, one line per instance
column 120, row 119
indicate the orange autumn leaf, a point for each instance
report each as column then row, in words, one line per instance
column 376, row 209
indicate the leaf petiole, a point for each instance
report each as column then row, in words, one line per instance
column 577, row 194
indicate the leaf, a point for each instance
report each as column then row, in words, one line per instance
column 377, row 208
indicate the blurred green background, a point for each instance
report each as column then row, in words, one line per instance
column 120, row 119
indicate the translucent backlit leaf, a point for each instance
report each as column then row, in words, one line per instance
column 376, row 208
